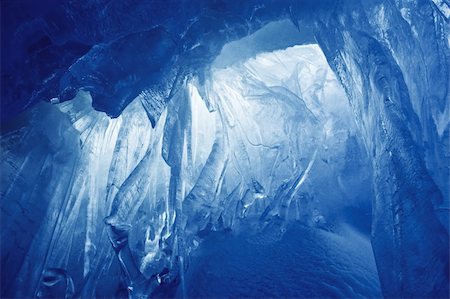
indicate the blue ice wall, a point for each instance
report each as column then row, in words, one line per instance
column 135, row 133
column 399, row 88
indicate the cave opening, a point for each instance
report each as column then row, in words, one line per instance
column 288, row 118
column 265, row 142
column 290, row 149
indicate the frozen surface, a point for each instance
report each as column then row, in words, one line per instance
column 134, row 130
column 320, row 264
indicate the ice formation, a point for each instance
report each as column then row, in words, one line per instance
column 136, row 132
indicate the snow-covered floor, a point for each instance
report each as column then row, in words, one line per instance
column 305, row 263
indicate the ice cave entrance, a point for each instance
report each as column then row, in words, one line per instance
column 265, row 146
column 247, row 176
column 296, row 188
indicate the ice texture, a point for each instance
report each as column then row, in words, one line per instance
column 135, row 132
column 400, row 74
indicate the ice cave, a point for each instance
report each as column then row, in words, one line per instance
column 225, row 149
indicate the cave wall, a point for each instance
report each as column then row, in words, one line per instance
column 391, row 92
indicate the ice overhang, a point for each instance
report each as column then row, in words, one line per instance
column 276, row 35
